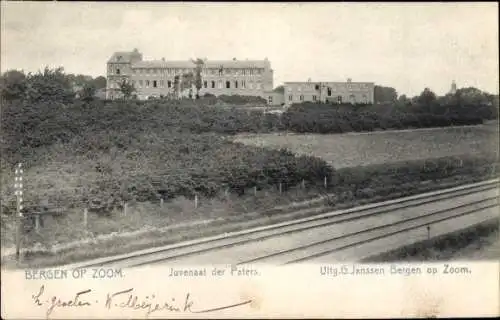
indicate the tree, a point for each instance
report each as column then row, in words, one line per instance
column 126, row 89
column 187, row 82
column 426, row 98
column 176, row 86
column 88, row 92
column 197, row 76
column 384, row 94
column 100, row 82
column 403, row 100
column 49, row 85
column 279, row 89
column 13, row 85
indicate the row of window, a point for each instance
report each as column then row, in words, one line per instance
column 242, row 84
column 178, row 71
column 301, row 98
column 334, row 88
column 352, row 98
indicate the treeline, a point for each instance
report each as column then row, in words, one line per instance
column 50, row 85
column 48, row 120
column 467, row 106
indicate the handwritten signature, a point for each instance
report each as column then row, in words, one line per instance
column 125, row 299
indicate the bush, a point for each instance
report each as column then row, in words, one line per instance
column 162, row 138
column 238, row 99
column 334, row 118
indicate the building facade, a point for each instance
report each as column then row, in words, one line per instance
column 155, row 78
column 331, row 92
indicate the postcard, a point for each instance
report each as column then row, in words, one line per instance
column 237, row 160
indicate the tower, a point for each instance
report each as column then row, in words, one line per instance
column 453, row 87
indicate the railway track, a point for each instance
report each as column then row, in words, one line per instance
column 473, row 195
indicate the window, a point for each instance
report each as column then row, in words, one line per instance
column 213, row 84
column 314, row 98
column 147, row 83
column 299, row 88
column 301, row 98
column 169, row 84
column 162, row 83
column 220, row 84
column 244, row 72
column 117, row 71
column 329, row 92
column 228, row 84
column 270, row 99
column 243, row 84
column 251, row 72
column 205, row 84
column 365, row 98
column 140, row 83
column 316, row 87
column 236, row 84
column 290, row 97
column 352, row 98
column 339, row 99
column 154, row 83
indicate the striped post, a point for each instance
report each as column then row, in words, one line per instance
column 18, row 186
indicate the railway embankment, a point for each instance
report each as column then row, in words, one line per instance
column 477, row 242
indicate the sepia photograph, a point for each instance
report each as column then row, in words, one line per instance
column 202, row 144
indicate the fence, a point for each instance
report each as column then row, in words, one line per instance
column 44, row 223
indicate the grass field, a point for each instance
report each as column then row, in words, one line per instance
column 355, row 149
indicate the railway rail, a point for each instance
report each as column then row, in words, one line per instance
column 330, row 244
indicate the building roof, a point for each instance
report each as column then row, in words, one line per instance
column 208, row 64
column 327, row 82
column 121, row 57
column 124, row 56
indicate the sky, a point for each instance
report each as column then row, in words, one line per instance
column 408, row 46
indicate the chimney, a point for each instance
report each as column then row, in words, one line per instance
column 234, row 59
column 163, row 59
column 349, row 79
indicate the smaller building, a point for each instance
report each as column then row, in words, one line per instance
column 275, row 97
column 332, row 92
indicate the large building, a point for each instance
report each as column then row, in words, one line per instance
column 329, row 92
column 155, row 78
